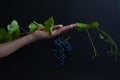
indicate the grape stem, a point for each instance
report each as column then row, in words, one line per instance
column 95, row 51
column 25, row 32
column 113, row 44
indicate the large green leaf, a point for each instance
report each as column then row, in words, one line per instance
column 48, row 25
column 14, row 29
column 4, row 36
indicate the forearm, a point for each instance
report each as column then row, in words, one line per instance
column 10, row 47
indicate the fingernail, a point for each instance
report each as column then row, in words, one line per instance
column 60, row 25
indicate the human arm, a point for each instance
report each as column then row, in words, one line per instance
column 10, row 47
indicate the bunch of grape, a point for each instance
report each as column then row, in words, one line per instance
column 61, row 48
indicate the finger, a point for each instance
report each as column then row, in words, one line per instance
column 55, row 33
column 70, row 25
column 66, row 28
column 62, row 29
column 57, row 26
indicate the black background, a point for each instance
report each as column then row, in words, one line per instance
column 36, row 61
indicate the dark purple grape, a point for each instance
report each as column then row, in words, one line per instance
column 61, row 48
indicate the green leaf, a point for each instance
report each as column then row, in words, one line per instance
column 94, row 25
column 81, row 26
column 34, row 26
column 14, row 29
column 48, row 25
column 4, row 36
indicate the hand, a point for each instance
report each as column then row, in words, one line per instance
column 57, row 30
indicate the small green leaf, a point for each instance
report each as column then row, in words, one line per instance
column 14, row 29
column 34, row 26
column 48, row 25
column 37, row 24
column 94, row 25
column 81, row 26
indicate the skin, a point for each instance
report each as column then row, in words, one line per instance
column 10, row 47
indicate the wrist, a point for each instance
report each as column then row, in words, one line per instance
column 31, row 38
